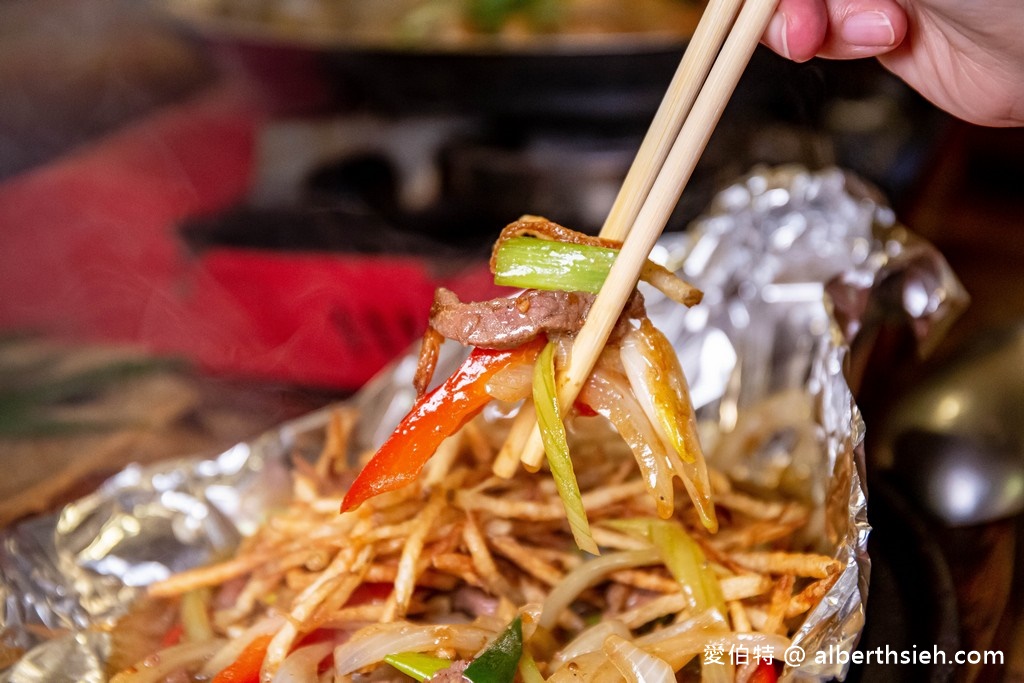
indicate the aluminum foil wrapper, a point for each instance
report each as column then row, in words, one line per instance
column 796, row 266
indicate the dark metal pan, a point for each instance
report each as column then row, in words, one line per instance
column 610, row 76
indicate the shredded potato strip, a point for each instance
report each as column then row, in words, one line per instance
column 527, row 560
column 483, row 560
column 507, row 461
column 799, row 564
column 211, row 575
column 548, row 510
column 405, row 580
column 810, row 596
column 779, row 600
column 463, row 529
column 334, row 577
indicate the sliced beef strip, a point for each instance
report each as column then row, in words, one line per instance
column 508, row 322
column 453, row 674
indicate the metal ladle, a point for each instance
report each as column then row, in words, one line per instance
column 956, row 441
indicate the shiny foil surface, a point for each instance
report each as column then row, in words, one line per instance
column 795, row 266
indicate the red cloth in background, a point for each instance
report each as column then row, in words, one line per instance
column 89, row 246
column 314, row 319
column 90, row 251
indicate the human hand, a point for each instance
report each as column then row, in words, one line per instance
column 967, row 57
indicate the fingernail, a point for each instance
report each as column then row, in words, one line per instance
column 868, row 29
column 777, row 34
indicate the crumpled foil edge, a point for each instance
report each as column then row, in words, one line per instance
column 81, row 568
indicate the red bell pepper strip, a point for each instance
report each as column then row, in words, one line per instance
column 436, row 416
column 173, row 636
column 246, row 669
column 764, row 673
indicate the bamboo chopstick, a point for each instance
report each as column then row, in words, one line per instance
column 669, row 179
column 690, row 75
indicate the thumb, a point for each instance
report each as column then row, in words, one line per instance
column 863, row 28
column 836, row 29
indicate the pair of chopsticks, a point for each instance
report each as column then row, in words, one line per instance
column 719, row 51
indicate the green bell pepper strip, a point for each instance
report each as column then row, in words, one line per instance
column 497, row 664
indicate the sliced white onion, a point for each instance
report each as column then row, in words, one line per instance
column 709, row 619
column 302, row 665
column 680, row 642
column 638, row 370
column 371, row 644
column 646, row 356
column 636, row 665
column 588, row 574
column 511, row 384
column 590, row 640
column 159, row 666
column 592, row 667
column 714, row 673
column 608, row 393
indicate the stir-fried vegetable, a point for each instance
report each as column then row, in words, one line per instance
column 556, row 447
column 539, row 254
column 528, row 669
column 195, row 620
column 764, row 673
column 497, row 664
column 436, row 416
column 246, row 669
column 587, row 575
column 373, row 643
column 636, row 665
column 608, row 394
column 650, row 408
column 225, row 656
column 544, row 264
column 683, row 558
column 440, row 569
column 658, row 383
column 417, row 665
column 181, row 657
column 654, row 372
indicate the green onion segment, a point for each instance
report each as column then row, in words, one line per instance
column 496, row 664
column 528, row 669
column 683, row 558
column 552, row 431
column 417, row 665
column 532, row 263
